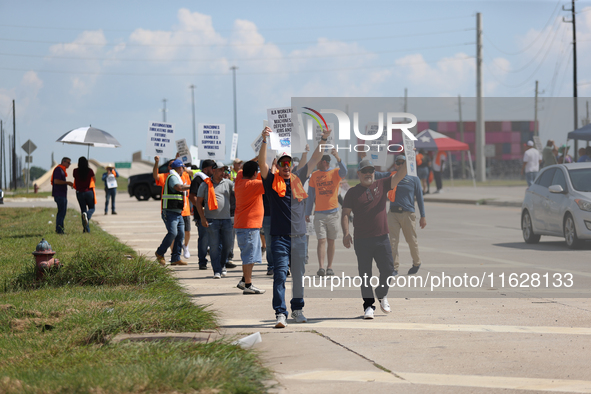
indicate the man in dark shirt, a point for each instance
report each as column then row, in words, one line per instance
column 368, row 201
column 288, row 227
column 202, row 241
column 59, row 191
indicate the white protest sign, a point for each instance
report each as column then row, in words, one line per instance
column 538, row 143
column 234, row 146
column 411, row 155
column 212, row 138
column 111, row 181
column 281, row 124
column 194, row 154
column 318, row 135
column 160, row 140
column 378, row 152
column 183, row 150
column 298, row 135
column 258, row 142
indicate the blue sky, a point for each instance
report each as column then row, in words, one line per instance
column 69, row 64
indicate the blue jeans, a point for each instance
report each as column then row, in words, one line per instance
column 86, row 202
column 268, row 241
column 288, row 249
column 62, row 208
column 110, row 194
column 530, row 177
column 219, row 234
column 202, row 243
column 175, row 227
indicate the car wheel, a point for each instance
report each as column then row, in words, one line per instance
column 527, row 229
column 570, row 232
column 142, row 192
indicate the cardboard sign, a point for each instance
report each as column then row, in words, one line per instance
column 212, row 139
column 377, row 154
column 281, row 124
column 183, row 149
column 194, row 154
column 411, row 155
column 160, row 140
column 111, row 181
column 538, row 143
column 234, row 146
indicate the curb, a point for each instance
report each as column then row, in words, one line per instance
column 492, row 202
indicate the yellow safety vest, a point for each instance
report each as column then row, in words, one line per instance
column 172, row 200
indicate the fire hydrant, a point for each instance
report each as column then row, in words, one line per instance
column 44, row 258
column 35, row 188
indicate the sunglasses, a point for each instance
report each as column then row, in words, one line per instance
column 368, row 171
column 285, row 163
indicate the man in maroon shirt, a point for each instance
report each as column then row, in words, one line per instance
column 367, row 200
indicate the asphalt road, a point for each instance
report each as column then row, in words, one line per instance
column 490, row 338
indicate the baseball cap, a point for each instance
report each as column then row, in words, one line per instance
column 207, row 163
column 282, row 155
column 400, row 157
column 237, row 161
column 176, row 164
column 364, row 164
column 530, row 143
column 219, row 164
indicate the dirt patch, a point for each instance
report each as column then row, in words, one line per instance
column 6, row 307
column 25, row 324
column 68, row 311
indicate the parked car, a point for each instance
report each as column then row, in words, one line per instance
column 143, row 186
column 558, row 203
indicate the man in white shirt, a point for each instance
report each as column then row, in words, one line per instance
column 531, row 163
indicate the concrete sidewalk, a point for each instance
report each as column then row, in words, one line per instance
column 481, row 195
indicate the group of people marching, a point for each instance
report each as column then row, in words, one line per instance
column 229, row 204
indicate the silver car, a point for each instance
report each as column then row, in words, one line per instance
column 558, row 203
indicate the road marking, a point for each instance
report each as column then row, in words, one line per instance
column 489, row 382
column 361, row 324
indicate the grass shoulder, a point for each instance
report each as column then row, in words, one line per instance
column 55, row 333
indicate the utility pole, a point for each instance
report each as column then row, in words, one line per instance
column 536, row 126
column 461, row 124
column 164, row 111
column 480, row 132
column 405, row 100
column 575, row 101
column 192, row 87
column 10, row 160
column 234, row 68
column 1, row 153
column 14, row 144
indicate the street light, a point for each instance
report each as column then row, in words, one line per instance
column 234, row 68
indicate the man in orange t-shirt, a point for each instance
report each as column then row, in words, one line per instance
column 248, row 219
column 323, row 190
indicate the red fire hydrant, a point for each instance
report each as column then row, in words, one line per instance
column 44, row 258
column 35, row 188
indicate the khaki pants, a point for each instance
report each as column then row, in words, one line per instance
column 407, row 221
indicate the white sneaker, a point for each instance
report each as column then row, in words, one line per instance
column 217, row 275
column 186, row 253
column 299, row 316
column 224, row 273
column 253, row 290
column 368, row 313
column 241, row 285
column 384, row 306
column 281, row 321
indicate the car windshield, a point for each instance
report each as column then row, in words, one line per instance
column 581, row 179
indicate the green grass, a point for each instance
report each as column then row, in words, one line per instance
column 55, row 333
column 20, row 193
column 100, row 185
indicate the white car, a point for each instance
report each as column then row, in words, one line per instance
column 558, row 203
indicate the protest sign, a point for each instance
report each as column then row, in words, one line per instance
column 183, row 150
column 281, row 124
column 160, row 140
column 212, row 138
column 194, row 154
column 378, row 151
column 234, row 146
column 538, row 143
column 411, row 155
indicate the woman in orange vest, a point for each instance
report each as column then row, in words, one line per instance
column 84, row 183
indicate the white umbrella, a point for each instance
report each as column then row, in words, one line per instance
column 89, row 136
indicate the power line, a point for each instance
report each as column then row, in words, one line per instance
column 388, row 66
column 234, row 45
column 531, row 43
column 301, row 28
column 233, row 60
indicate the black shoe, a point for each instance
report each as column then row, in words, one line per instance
column 270, row 272
column 414, row 269
column 230, row 265
column 113, row 213
column 202, row 267
column 288, row 272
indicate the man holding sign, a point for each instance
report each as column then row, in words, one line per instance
column 287, row 200
column 110, row 178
